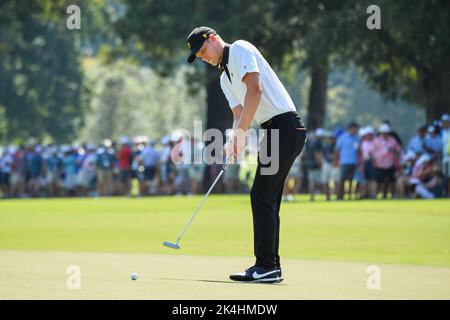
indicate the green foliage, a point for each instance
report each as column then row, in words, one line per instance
column 351, row 98
column 131, row 100
column 408, row 57
column 41, row 78
column 43, row 93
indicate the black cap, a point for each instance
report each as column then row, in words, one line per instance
column 352, row 125
column 195, row 40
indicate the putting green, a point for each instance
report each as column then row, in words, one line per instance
column 43, row 275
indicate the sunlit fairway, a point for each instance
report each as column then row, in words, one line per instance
column 402, row 232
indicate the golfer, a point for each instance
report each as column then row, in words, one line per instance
column 254, row 92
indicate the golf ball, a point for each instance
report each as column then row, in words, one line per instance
column 133, row 276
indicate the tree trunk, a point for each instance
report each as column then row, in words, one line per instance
column 318, row 94
column 218, row 116
column 437, row 95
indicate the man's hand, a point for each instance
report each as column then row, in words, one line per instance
column 235, row 145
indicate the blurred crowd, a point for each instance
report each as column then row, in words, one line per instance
column 137, row 167
column 355, row 163
column 368, row 163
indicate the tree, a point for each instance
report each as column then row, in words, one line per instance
column 408, row 57
column 41, row 77
column 133, row 100
column 313, row 35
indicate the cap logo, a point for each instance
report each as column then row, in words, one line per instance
column 205, row 35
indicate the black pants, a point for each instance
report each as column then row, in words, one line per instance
column 267, row 190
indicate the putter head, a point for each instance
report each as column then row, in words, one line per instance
column 171, row 245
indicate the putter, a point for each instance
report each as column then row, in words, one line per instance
column 176, row 245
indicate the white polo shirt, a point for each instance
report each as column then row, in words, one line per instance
column 245, row 58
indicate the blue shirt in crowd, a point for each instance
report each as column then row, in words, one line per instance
column 53, row 163
column 69, row 164
column 34, row 164
column 347, row 145
column 434, row 143
column 416, row 144
column 106, row 161
column 150, row 156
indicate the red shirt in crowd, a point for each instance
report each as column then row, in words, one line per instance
column 125, row 157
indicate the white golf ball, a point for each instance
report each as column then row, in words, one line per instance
column 134, row 276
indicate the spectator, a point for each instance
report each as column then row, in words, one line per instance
column 150, row 159
column 293, row 180
column 6, row 162
column 434, row 187
column 69, row 170
column 403, row 179
column 368, row 185
column 86, row 174
column 18, row 175
column 165, row 166
column 181, row 157
column 433, row 143
column 80, row 154
column 196, row 168
column 386, row 155
column 53, row 170
column 347, row 153
column 421, row 171
column 417, row 143
column 125, row 160
column 445, row 134
column 313, row 154
column 329, row 170
column 116, row 184
column 105, row 163
column 392, row 133
column 35, row 169
column 137, row 167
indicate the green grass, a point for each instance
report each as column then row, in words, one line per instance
column 412, row 232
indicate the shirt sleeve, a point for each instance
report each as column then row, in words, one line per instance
column 231, row 98
column 338, row 144
column 247, row 61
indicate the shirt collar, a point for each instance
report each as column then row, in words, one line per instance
column 226, row 53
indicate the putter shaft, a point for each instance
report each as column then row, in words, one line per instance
column 203, row 200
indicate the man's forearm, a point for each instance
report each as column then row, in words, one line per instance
column 251, row 103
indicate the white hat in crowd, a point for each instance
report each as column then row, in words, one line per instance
column 320, row 132
column 165, row 140
column 410, row 155
column 107, row 143
column 431, row 129
column 370, row 130
column 384, row 128
column 424, row 158
column 445, row 117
